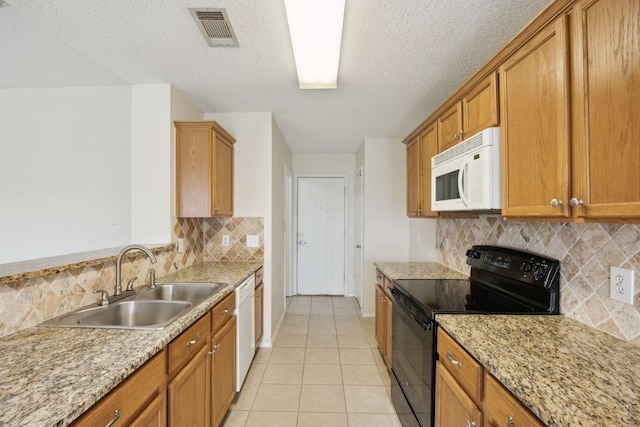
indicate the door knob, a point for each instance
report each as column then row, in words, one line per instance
column 302, row 242
column 358, row 246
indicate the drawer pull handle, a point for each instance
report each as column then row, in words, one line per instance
column 226, row 310
column 510, row 421
column 193, row 341
column 116, row 417
column 470, row 423
column 453, row 361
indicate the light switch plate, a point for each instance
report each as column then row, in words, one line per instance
column 621, row 286
column 225, row 240
column 180, row 245
column 253, row 240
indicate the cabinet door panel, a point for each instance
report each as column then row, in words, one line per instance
column 480, row 106
column 453, row 406
column 222, row 186
column 607, row 71
column 428, row 149
column 223, row 368
column 535, row 136
column 193, row 171
column 154, row 415
column 189, row 393
column 413, row 177
column 449, row 127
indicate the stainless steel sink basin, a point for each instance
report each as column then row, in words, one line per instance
column 193, row 292
column 153, row 308
column 145, row 314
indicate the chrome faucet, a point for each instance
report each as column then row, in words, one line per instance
column 118, row 290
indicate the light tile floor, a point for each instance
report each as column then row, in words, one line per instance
column 324, row 370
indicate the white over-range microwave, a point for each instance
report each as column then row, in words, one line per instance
column 467, row 176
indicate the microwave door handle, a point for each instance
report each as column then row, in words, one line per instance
column 461, row 177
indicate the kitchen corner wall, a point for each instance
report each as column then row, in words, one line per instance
column 586, row 252
column 28, row 302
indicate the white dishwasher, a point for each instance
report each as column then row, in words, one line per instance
column 245, row 341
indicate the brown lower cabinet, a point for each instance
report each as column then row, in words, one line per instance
column 223, row 369
column 453, row 406
column 128, row 403
column 191, row 382
column 467, row 395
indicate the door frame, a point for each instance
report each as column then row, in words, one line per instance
column 358, row 267
column 289, row 235
column 294, row 243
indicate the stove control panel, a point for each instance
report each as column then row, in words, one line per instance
column 522, row 266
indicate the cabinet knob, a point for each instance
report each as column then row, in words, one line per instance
column 510, row 421
column 470, row 423
column 575, row 202
column 556, row 203
column 456, row 136
column 461, row 133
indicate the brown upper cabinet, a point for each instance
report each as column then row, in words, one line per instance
column 204, row 170
column 606, row 131
column 476, row 111
column 535, row 131
column 569, row 96
column 419, row 153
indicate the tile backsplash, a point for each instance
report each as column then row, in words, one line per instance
column 28, row 302
column 586, row 252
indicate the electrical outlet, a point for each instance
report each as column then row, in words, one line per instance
column 225, row 240
column 253, row 240
column 621, row 284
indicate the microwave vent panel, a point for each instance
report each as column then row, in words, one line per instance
column 468, row 144
column 215, row 27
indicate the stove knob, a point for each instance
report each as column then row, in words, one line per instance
column 526, row 267
column 537, row 271
column 471, row 253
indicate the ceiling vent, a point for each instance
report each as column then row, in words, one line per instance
column 215, row 26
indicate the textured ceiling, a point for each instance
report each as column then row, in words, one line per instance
column 400, row 59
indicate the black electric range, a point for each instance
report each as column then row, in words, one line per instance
column 502, row 280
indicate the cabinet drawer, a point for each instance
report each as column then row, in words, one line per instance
column 129, row 398
column 186, row 345
column 502, row 407
column 223, row 311
column 464, row 368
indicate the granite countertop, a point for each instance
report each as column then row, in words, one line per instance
column 49, row 376
column 565, row 372
column 418, row 270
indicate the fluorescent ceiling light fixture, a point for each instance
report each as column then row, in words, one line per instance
column 315, row 27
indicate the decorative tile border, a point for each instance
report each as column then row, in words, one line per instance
column 586, row 252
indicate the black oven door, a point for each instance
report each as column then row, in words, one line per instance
column 412, row 364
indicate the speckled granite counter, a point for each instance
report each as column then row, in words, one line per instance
column 418, row 270
column 567, row 373
column 49, row 376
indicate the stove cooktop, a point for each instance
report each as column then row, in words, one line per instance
column 502, row 280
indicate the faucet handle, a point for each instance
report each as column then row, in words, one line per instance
column 152, row 278
column 104, row 297
column 130, row 284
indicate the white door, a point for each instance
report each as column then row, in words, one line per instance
column 321, row 235
column 359, row 236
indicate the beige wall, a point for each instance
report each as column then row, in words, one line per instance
column 386, row 226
